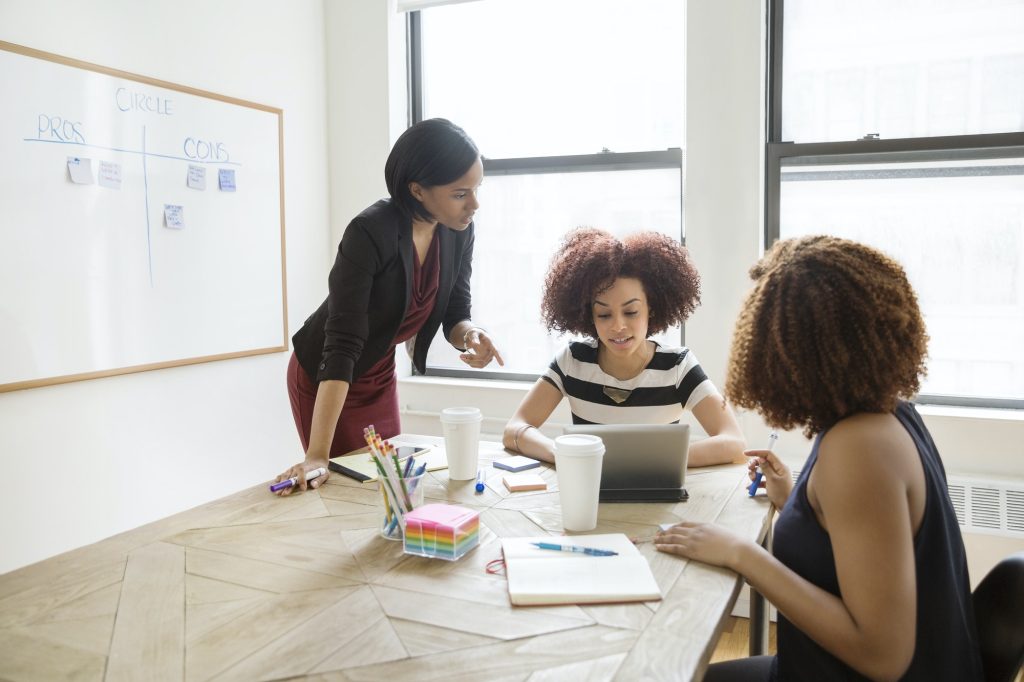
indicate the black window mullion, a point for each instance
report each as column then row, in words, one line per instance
column 414, row 66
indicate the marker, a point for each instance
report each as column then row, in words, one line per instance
column 574, row 548
column 772, row 437
column 288, row 483
column 479, row 481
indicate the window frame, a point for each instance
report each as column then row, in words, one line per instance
column 665, row 159
column 867, row 150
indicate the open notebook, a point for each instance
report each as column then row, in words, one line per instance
column 543, row 576
column 360, row 465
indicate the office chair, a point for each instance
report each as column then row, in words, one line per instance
column 999, row 613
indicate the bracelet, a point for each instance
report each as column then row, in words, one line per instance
column 520, row 431
column 465, row 345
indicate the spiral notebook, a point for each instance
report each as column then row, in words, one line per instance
column 545, row 577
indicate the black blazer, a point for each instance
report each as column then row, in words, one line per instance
column 369, row 289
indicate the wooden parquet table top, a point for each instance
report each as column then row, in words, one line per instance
column 256, row 587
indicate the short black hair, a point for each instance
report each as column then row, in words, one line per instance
column 431, row 153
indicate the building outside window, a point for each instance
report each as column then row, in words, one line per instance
column 899, row 124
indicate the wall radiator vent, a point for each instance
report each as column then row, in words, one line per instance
column 985, row 506
column 988, row 506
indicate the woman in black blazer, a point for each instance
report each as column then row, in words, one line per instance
column 402, row 270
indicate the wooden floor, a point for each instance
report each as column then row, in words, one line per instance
column 735, row 640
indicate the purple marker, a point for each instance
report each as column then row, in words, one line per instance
column 288, row 483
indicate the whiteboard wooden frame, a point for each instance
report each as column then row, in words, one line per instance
column 127, row 76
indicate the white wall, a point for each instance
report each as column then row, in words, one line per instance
column 83, row 461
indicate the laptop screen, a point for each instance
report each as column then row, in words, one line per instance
column 641, row 456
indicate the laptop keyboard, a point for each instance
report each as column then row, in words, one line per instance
column 644, row 495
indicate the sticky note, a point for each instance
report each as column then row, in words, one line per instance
column 174, row 217
column 226, row 177
column 516, row 463
column 196, row 177
column 80, row 170
column 110, row 175
column 522, row 482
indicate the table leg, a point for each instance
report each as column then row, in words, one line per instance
column 759, row 611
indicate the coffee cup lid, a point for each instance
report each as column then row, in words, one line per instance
column 578, row 444
column 454, row 415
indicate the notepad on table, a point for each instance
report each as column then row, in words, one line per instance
column 541, row 576
column 360, row 465
column 516, row 463
column 522, row 482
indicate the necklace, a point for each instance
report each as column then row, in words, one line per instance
column 621, row 395
column 618, row 395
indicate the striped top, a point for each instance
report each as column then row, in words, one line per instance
column 671, row 382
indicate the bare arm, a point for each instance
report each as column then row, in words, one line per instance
column 725, row 442
column 535, row 409
column 330, row 398
column 862, row 482
column 479, row 348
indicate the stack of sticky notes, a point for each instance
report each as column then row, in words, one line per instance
column 522, row 482
column 441, row 531
column 516, row 463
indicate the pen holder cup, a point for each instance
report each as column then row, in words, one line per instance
column 410, row 496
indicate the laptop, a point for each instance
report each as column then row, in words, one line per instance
column 642, row 462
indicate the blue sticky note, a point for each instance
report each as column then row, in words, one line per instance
column 226, row 176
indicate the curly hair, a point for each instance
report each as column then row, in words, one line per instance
column 831, row 328
column 590, row 260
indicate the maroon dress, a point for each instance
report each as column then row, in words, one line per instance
column 373, row 397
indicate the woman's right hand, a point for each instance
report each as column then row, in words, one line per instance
column 298, row 471
column 777, row 481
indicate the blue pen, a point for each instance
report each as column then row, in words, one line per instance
column 574, row 548
column 419, row 471
column 479, row 481
column 772, row 437
column 408, row 466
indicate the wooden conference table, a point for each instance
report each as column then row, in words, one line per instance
column 254, row 587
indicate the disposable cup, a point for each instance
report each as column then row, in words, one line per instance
column 462, row 441
column 410, row 496
column 578, row 459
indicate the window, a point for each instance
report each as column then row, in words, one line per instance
column 900, row 125
column 577, row 107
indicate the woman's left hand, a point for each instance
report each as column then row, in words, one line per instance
column 480, row 350
column 704, row 542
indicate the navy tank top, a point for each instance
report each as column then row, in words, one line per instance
column 946, row 647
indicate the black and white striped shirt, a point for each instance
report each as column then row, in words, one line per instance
column 672, row 382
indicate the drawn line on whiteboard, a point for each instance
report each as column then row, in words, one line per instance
column 131, row 151
column 145, row 185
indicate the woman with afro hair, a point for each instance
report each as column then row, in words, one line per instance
column 617, row 294
column 868, row 569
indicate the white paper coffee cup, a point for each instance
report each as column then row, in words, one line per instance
column 578, row 459
column 462, row 441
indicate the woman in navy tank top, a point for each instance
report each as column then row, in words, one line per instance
column 868, row 570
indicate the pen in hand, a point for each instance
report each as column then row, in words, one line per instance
column 289, row 482
column 574, row 548
column 772, row 437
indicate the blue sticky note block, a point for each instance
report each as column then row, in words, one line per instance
column 226, row 177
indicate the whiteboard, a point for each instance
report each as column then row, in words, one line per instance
column 138, row 269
